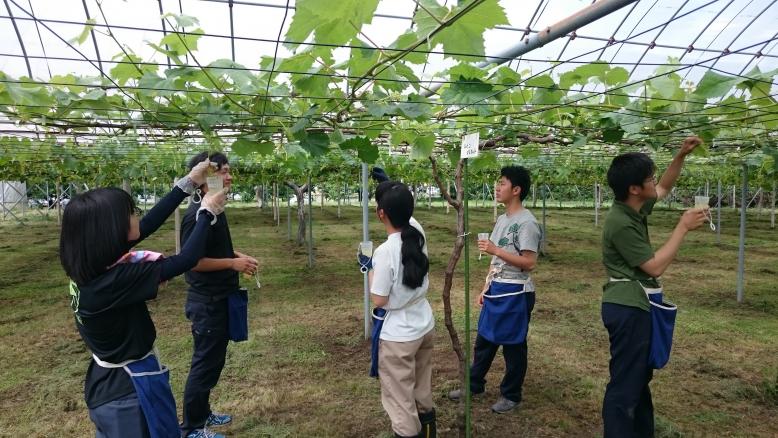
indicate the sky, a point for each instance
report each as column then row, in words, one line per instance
column 715, row 24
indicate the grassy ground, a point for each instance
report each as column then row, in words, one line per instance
column 303, row 371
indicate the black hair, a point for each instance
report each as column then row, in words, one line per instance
column 396, row 200
column 95, row 226
column 518, row 176
column 215, row 157
column 630, row 169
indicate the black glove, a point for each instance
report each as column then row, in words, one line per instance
column 379, row 175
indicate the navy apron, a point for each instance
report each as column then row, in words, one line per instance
column 151, row 380
column 379, row 315
column 663, row 315
column 662, row 325
column 238, row 317
column 504, row 317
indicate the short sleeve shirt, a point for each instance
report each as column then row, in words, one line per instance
column 515, row 233
column 409, row 315
column 626, row 246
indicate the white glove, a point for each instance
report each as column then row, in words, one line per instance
column 214, row 201
column 199, row 172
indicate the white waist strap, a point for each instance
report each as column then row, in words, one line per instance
column 648, row 290
column 105, row 364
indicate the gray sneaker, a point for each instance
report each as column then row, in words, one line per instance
column 457, row 394
column 504, row 405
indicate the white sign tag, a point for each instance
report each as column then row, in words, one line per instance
column 469, row 145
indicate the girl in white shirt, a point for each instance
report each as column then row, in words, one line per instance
column 398, row 284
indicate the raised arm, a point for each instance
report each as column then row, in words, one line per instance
column 670, row 176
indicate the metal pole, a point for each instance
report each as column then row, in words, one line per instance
column 288, row 219
column 310, row 223
column 734, row 203
column 772, row 209
column 741, row 255
column 177, row 226
column 543, row 233
column 596, row 205
column 2, row 190
column 467, row 301
column 718, row 214
column 494, row 204
column 365, row 238
column 557, row 30
column 59, row 204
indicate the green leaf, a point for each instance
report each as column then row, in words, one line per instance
column 463, row 91
column 422, row 147
column 182, row 43
column 616, row 76
column 484, row 160
column 316, row 143
column 404, row 41
column 90, row 24
column 580, row 140
column 368, row 153
column 183, row 20
column 243, row 147
column 505, row 76
column 331, row 22
column 362, row 58
column 582, row 74
column 400, row 136
column 130, row 68
column 714, row 85
column 546, row 90
column 463, row 40
column 612, row 135
column 665, row 85
column 355, row 144
column 530, row 151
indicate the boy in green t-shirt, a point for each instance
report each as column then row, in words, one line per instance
column 633, row 268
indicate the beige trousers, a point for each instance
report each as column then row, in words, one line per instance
column 405, row 371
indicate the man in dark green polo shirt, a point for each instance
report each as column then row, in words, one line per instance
column 632, row 265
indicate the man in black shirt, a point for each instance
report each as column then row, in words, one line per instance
column 210, row 282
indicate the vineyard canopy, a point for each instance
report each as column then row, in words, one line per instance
column 129, row 80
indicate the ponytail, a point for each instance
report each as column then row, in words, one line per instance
column 416, row 265
column 395, row 199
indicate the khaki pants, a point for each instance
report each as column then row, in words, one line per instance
column 405, row 371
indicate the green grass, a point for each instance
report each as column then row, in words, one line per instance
column 303, row 372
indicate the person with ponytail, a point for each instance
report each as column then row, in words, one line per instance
column 127, row 389
column 398, row 286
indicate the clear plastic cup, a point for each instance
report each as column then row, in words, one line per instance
column 703, row 203
column 215, row 182
column 482, row 236
column 366, row 248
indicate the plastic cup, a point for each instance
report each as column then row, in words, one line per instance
column 701, row 201
column 482, row 236
column 366, row 248
column 215, row 182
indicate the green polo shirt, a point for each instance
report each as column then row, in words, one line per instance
column 625, row 246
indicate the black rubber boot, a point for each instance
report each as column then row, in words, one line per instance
column 428, row 425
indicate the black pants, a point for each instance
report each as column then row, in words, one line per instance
column 627, row 410
column 209, row 330
column 515, row 363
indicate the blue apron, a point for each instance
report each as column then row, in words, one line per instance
column 662, row 324
column 151, row 380
column 378, row 322
column 504, row 317
column 238, row 318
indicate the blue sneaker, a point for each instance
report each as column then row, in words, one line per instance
column 218, row 419
column 204, row 433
